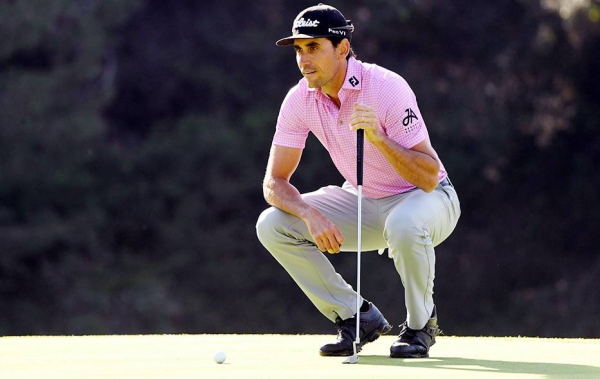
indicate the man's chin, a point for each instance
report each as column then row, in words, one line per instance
column 312, row 84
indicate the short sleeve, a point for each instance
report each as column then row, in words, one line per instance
column 402, row 121
column 290, row 130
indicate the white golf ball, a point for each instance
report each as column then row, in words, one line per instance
column 220, row 357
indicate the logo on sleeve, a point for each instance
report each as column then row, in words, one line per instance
column 353, row 81
column 409, row 117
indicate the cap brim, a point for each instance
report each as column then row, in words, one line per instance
column 290, row 40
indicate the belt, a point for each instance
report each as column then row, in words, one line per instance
column 446, row 182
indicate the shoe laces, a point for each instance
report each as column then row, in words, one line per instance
column 406, row 334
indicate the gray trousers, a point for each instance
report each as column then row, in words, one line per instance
column 410, row 225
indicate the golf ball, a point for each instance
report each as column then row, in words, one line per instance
column 220, row 357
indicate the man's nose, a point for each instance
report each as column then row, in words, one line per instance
column 303, row 59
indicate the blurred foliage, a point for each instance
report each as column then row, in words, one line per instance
column 134, row 135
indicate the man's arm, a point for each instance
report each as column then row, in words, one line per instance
column 277, row 189
column 419, row 165
column 280, row 193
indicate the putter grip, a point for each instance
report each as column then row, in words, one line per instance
column 360, row 144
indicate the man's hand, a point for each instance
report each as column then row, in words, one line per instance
column 364, row 117
column 326, row 235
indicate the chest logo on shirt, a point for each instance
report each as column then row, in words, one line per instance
column 353, row 81
column 409, row 117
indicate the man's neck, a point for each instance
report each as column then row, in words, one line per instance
column 333, row 91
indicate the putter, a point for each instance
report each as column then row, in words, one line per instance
column 360, row 141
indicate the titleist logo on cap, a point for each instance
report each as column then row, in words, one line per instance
column 302, row 23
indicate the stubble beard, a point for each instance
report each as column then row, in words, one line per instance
column 318, row 82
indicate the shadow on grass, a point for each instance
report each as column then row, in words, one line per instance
column 549, row 370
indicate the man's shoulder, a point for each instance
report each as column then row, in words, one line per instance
column 379, row 73
column 300, row 90
column 298, row 98
column 382, row 82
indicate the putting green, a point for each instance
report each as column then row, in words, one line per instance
column 290, row 356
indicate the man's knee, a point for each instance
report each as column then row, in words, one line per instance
column 269, row 221
column 403, row 230
column 264, row 224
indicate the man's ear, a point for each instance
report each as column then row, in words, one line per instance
column 344, row 48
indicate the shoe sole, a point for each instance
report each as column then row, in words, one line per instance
column 410, row 356
column 373, row 336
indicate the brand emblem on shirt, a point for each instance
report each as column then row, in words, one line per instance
column 353, row 81
column 409, row 117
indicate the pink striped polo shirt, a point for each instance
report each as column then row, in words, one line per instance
column 307, row 110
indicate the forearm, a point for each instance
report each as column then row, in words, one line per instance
column 417, row 168
column 281, row 194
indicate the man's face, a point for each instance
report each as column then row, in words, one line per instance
column 319, row 61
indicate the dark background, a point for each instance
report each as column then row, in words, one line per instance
column 134, row 136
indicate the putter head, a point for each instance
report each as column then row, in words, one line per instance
column 351, row 359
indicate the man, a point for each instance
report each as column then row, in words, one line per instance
column 409, row 204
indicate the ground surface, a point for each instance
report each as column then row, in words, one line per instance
column 290, row 356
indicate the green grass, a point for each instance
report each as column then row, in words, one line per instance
column 290, row 356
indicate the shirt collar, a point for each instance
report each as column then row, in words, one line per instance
column 353, row 79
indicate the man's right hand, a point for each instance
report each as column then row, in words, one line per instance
column 326, row 235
